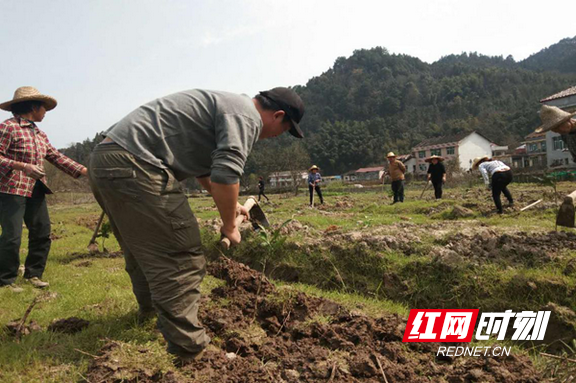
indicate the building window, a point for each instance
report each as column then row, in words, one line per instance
column 450, row 150
column 532, row 147
column 557, row 143
column 566, row 161
column 422, row 167
column 435, row 152
column 543, row 146
column 422, row 154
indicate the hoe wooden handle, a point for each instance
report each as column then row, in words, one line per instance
column 249, row 204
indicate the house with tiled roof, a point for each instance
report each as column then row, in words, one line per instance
column 465, row 146
column 369, row 174
column 557, row 155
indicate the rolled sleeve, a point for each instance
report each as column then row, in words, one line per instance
column 235, row 136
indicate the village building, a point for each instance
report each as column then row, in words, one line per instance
column 350, row 176
column 557, row 155
column 533, row 153
column 369, row 174
column 501, row 153
column 287, row 179
column 465, row 146
column 409, row 161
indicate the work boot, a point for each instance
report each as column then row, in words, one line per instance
column 181, row 360
column 13, row 288
column 36, row 282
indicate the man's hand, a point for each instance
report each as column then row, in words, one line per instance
column 232, row 234
column 33, row 171
column 444, row 179
column 241, row 210
column 84, row 172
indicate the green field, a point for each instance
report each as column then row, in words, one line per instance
column 356, row 250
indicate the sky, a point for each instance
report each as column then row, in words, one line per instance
column 103, row 58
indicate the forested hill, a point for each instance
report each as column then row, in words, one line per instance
column 559, row 57
column 373, row 102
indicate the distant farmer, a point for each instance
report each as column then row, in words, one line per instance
column 135, row 174
column 501, row 176
column 436, row 174
column 261, row 186
column 314, row 179
column 561, row 122
column 23, row 186
column 396, row 170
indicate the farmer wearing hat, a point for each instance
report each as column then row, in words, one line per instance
column 396, row 170
column 23, row 185
column 436, row 174
column 135, row 174
column 314, row 179
column 561, row 122
column 501, row 176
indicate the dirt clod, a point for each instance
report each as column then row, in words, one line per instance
column 70, row 325
column 12, row 327
column 281, row 334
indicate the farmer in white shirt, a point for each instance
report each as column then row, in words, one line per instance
column 501, row 176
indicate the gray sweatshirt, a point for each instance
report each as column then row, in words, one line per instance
column 193, row 133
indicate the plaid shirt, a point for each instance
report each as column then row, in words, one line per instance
column 22, row 141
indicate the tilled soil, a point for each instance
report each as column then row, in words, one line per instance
column 531, row 249
column 70, row 325
column 269, row 334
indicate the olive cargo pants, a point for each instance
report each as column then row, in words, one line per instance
column 159, row 236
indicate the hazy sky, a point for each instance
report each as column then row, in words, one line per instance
column 101, row 59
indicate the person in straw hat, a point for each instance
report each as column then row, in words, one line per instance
column 501, row 176
column 561, row 122
column 436, row 174
column 396, row 170
column 23, row 185
column 314, row 179
column 135, row 174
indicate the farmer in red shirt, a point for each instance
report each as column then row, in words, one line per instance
column 23, row 148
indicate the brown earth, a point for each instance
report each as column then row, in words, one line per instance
column 270, row 334
column 266, row 334
column 70, row 325
column 530, row 249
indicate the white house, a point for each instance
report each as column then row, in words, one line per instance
column 409, row 161
column 465, row 146
column 556, row 154
column 285, row 179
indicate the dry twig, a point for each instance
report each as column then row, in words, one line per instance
column 558, row 357
column 381, row 369
column 333, row 373
column 25, row 317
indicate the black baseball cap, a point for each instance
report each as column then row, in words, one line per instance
column 291, row 104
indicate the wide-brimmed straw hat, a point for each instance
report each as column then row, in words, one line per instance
column 313, row 167
column 29, row 93
column 478, row 160
column 391, row 154
column 429, row 159
column 552, row 117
